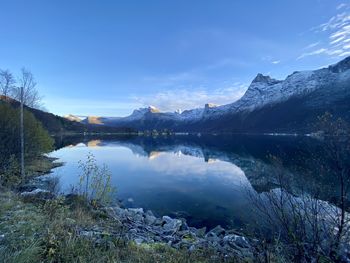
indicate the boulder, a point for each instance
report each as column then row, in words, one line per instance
column 136, row 214
column 37, row 195
column 200, row 232
column 218, row 230
column 171, row 226
column 138, row 241
column 236, row 240
column 150, row 219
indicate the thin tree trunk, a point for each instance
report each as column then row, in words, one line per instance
column 22, row 136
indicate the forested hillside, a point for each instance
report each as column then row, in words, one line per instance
column 59, row 125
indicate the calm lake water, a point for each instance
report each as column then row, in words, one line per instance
column 206, row 179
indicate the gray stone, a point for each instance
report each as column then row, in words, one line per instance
column 200, row 232
column 171, row 226
column 149, row 213
column 211, row 236
column 138, row 241
column 218, row 230
column 150, row 220
column 133, row 231
column 136, row 210
column 236, row 240
column 38, row 194
column 184, row 225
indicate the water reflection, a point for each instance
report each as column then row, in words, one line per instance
column 205, row 180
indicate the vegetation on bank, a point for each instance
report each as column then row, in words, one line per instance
column 48, row 232
column 37, row 142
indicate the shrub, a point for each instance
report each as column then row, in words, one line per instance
column 95, row 181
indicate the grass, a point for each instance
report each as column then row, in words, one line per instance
column 41, row 165
column 48, row 233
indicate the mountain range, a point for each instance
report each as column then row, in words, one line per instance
column 57, row 125
column 268, row 105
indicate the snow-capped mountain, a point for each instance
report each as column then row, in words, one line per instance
column 265, row 90
column 260, row 108
column 72, row 117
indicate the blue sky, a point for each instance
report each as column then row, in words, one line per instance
column 109, row 57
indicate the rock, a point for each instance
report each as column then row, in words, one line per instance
column 192, row 248
column 138, row 241
column 184, row 225
column 150, row 219
column 171, row 226
column 218, row 230
column 136, row 210
column 38, row 194
column 136, row 214
column 149, row 213
column 235, row 240
column 89, row 234
column 211, row 236
column 120, row 212
column 188, row 236
column 133, row 231
column 27, row 188
column 159, row 222
column 200, row 232
column 2, row 238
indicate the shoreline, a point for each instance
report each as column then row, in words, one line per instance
column 143, row 228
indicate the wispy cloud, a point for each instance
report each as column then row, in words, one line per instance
column 315, row 52
column 337, row 33
column 340, row 6
column 188, row 99
column 312, row 45
column 271, row 60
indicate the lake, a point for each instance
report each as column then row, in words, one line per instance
column 207, row 179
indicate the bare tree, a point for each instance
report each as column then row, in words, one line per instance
column 31, row 97
column 335, row 134
column 311, row 228
column 7, row 82
column 26, row 93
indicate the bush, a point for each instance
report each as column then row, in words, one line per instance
column 37, row 141
column 10, row 175
column 95, row 181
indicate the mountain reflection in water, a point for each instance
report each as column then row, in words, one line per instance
column 207, row 179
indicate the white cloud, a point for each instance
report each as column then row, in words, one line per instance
column 341, row 6
column 312, row 45
column 337, row 32
column 185, row 99
column 270, row 59
column 315, row 52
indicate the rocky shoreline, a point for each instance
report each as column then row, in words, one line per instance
column 145, row 229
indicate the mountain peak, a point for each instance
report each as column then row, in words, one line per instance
column 210, row 105
column 153, row 109
column 72, row 117
column 260, row 78
column 341, row 66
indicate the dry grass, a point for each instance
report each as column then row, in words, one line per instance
column 47, row 233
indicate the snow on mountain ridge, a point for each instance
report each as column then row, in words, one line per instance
column 262, row 91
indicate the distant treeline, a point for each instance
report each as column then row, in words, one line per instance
column 58, row 125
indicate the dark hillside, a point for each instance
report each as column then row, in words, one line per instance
column 56, row 124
